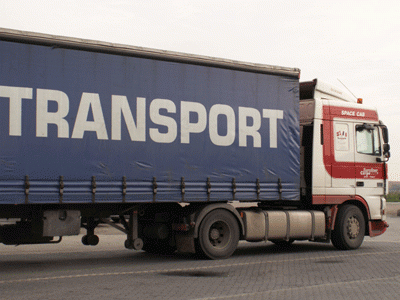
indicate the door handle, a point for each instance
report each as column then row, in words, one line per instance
column 360, row 183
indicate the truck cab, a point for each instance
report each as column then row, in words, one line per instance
column 344, row 150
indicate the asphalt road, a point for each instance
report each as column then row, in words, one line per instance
column 307, row 270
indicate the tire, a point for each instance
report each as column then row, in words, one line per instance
column 218, row 235
column 349, row 228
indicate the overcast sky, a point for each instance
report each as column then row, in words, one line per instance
column 357, row 42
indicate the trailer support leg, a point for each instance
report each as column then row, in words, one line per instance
column 133, row 241
column 90, row 239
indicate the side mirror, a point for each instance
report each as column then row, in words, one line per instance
column 386, row 150
column 386, row 153
column 385, row 135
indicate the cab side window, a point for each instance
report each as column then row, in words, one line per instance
column 367, row 140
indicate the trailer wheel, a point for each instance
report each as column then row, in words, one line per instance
column 349, row 228
column 218, row 235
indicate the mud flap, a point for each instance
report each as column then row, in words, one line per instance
column 185, row 243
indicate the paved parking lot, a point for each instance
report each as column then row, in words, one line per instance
column 255, row 271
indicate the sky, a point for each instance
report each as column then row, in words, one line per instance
column 357, row 42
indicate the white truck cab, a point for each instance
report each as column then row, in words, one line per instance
column 343, row 154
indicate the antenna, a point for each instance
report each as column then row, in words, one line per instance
column 347, row 88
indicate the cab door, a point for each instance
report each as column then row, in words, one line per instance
column 370, row 168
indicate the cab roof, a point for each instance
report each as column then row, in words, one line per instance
column 317, row 89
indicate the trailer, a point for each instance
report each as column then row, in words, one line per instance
column 189, row 153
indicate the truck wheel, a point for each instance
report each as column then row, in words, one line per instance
column 218, row 235
column 349, row 228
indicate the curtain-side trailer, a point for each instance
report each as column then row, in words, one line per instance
column 191, row 153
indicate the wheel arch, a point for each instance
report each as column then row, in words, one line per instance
column 362, row 205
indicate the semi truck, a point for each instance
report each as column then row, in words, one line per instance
column 180, row 152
